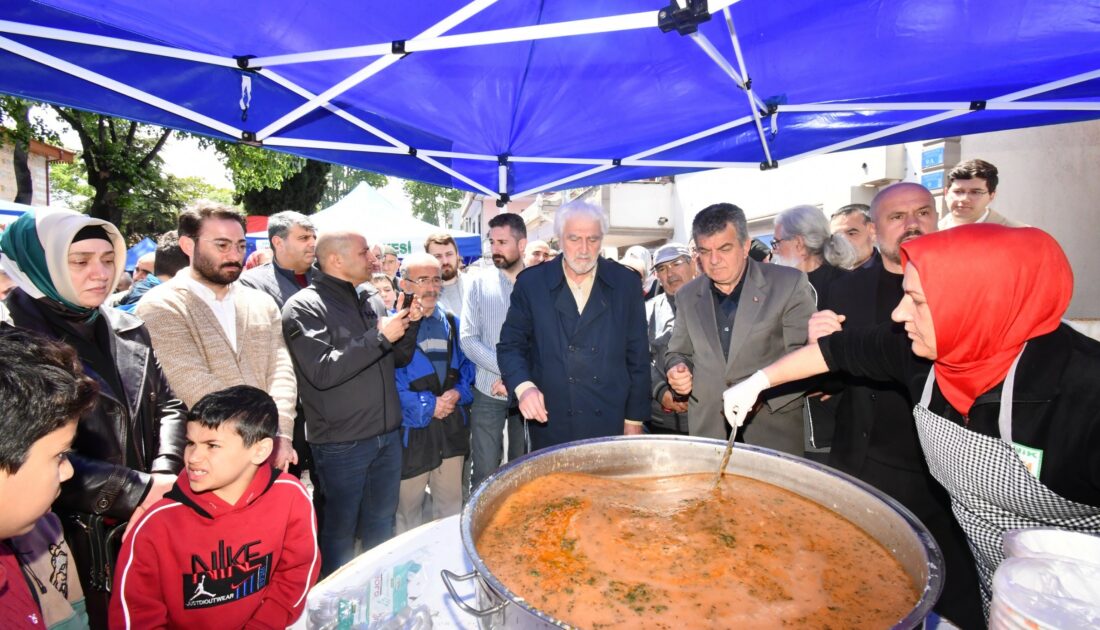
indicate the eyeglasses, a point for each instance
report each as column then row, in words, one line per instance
column 777, row 241
column 430, row 282
column 670, row 265
column 225, row 245
column 967, row 193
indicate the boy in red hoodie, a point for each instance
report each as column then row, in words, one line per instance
column 43, row 393
column 234, row 543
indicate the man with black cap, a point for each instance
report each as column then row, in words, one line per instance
column 673, row 266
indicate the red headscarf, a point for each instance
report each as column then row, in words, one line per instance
column 990, row 288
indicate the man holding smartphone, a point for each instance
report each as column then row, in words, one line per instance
column 346, row 350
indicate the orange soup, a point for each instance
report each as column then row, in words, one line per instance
column 671, row 552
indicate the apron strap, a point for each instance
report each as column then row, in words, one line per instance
column 1004, row 418
column 926, row 395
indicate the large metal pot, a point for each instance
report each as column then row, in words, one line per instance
column 880, row 516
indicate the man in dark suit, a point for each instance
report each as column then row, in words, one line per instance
column 574, row 346
column 294, row 241
column 876, row 437
column 736, row 318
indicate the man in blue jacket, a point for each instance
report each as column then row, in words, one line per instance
column 574, row 346
column 436, row 389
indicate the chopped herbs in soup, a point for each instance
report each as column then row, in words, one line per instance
column 671, row 552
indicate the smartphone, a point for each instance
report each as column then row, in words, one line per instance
column 406, row 301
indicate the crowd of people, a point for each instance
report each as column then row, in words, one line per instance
column 162, row 429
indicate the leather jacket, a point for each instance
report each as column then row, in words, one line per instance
column 123, row 438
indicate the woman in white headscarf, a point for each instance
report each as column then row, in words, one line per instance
column 129, row 447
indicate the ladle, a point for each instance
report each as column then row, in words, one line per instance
column 725, row 459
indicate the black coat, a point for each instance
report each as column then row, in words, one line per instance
column 126, row 435
column 593, row 367
column 1056, row 407
column 345, row 366
column 876, row 440
column 866, row 408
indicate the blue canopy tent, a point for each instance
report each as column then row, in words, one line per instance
column 512, row 97
column 142, row 247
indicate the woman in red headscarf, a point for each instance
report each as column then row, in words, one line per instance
column 1009, row 414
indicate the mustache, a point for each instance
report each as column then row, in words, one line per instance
column 913, row 233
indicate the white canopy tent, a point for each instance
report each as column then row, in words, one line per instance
column 366, row 211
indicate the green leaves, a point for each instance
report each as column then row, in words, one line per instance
column 430, row 202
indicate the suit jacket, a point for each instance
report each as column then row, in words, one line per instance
column 268, row 279
column 866, row 406
column 996, row 218
column 775, row 307
column 592, row 368
column 196, row 355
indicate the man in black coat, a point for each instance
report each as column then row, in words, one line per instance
column 876, row 438
column 294, row 241
column 573, row 346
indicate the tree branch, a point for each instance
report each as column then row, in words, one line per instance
column 156, row 149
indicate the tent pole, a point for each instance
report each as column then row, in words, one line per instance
column 692, row 138
column 941, row 106
column 18, row 28
column 565, row 180
column 458, row 176
column 370, row 70
column 882, row 133
column 328, row 145
column 116, row 86
column 690, row 164
column 1005, row 100
column 301, row 91
column 754, row 106
column 502, row 175
column 608, row 164
column 592, row 26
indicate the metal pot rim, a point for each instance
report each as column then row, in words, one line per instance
column 934, row 557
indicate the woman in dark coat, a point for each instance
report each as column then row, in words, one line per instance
column 1009, row 414
column 129, row 447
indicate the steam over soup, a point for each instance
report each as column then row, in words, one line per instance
column 670, row 552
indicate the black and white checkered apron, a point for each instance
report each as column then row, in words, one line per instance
column 991, row 489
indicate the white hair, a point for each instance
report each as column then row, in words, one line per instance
column 418, row 259
column 579, row 209
column 810, row 223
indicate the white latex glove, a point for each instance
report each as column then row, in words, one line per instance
column 739, row 400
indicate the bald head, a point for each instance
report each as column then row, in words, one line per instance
column 344, row 255
column 901, row 212
column 144, row 266
column 890, row 195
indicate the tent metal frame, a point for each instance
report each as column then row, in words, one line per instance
column 435, row 39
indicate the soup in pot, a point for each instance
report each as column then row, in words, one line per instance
column 674, row 552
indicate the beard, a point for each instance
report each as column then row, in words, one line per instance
column 581, row 267
column 783, row 261
column 226, row 273
column 448, row 273
column 500, row 261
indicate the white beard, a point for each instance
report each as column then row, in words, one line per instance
column 783, row 261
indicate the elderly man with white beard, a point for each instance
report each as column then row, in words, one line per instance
column 574, row 347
